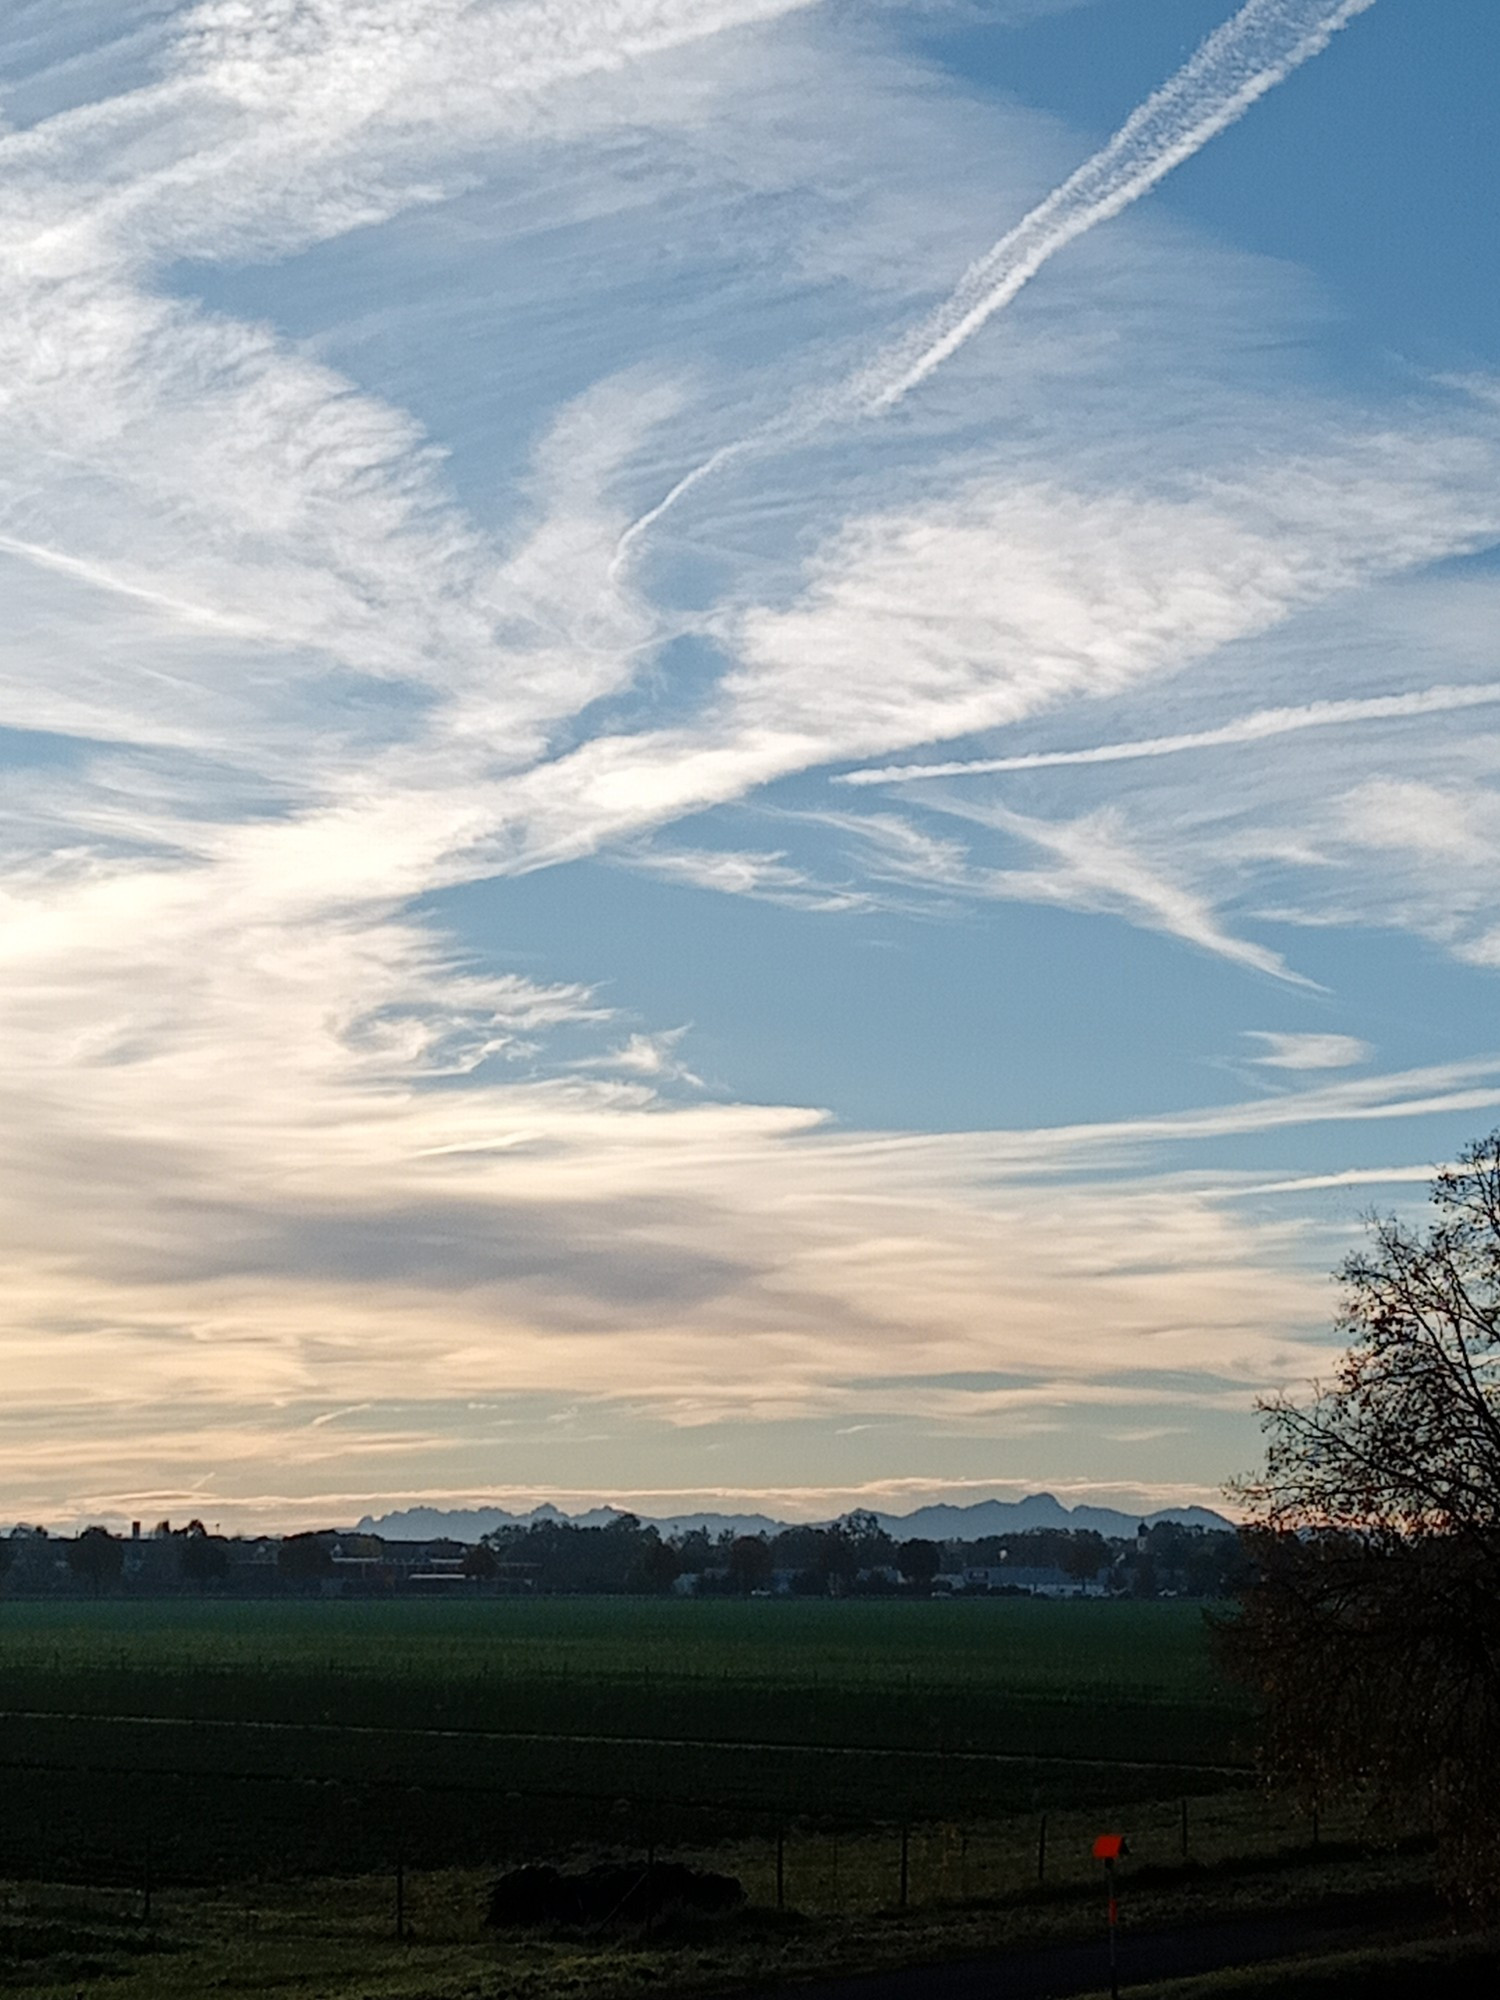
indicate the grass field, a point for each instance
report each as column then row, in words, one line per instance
column 331, row 1733
column 334, row 1939
column 328, row 1732
column 219, row 1797
column 1007, row 1676
column 1019, row 1646
column 243, row 1760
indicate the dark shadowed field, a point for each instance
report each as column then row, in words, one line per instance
column 308, row 1735
column 254, row 1796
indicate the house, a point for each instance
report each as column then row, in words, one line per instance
column 1030, row 1582
column 441, row 1576
column 881, row 1576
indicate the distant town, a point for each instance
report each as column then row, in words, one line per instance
column 1033, row 1548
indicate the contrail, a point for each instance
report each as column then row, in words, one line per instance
column 1259, row 48
column 1249, row 55
column 647, row 521
column 105, row 579
column 1248, row 729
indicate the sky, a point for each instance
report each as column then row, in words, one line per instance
column 750, row 749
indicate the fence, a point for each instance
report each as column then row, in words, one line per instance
column 136, row 1832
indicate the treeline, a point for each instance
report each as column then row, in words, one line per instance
column 855, row 1556
column 851, row 1557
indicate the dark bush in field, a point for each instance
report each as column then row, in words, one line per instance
column 612, row 1892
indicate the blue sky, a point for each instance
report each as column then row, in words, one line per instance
column 738, row 767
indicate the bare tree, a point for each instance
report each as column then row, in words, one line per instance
column 1372, row 1629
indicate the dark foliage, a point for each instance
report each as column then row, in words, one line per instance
column 657, row 1566
column 750, row 1564
column 625, row 1558
column 919, row 1561
column 97, row 1557
column 304, row 1558
column 1372, row 1630
column 203, row 1558
column 571, row 1559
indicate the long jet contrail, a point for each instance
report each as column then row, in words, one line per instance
column 1250, row 54
column 1253, row 52
column 1247, row 729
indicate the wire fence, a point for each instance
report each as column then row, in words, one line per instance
column 133, row 1835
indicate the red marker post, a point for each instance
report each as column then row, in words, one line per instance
column 1110, row 1848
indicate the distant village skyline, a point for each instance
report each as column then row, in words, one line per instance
column 1034, row 1548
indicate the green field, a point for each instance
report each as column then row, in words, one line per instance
column 204, row 1794
column 1075, row 1650
column 227, row 1737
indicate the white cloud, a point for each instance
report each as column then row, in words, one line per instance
column 1004, row 600
column 1376, row 811
column 278, row 125
column 647, row 1056
column 1095, row 869
column 1437, row 823
column 1007, row 600
column 1098, row 867
column 758, row 1266
column 1308, row 1051
column 230, row 483
column 765, row 877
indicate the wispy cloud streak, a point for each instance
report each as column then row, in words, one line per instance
column 1265, row 722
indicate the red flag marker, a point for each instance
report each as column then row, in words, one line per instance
column 1110, row 1848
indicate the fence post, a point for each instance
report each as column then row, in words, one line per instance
column 905, row 1857
column 1041, row 1850
column 1114, row 1933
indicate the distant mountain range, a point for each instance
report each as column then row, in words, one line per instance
column 936, row 1524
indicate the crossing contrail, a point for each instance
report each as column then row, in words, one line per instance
column 1246, row 729
column 1258, row 48
column 646, row 522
